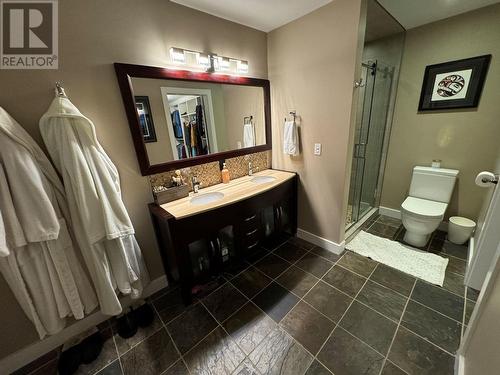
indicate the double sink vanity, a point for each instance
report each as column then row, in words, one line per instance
column 183, row 119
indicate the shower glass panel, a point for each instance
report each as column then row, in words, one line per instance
column 371, row 120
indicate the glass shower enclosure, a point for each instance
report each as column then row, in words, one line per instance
column 371, row 124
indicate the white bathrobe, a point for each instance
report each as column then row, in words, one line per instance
column 101, row 223
column 37, row 258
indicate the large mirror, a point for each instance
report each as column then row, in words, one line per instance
column 182, row 118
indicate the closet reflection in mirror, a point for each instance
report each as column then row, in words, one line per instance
column 191, row 119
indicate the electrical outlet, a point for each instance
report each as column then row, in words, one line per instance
column 317, row 149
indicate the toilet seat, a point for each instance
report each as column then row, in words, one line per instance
column 424, row 208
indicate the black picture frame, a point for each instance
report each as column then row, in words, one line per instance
column 454, row 84
column 145, row 118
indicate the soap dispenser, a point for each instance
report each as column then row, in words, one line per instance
column 225, row 174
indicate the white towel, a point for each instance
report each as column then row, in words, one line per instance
column 290, row 139
column 248, row 135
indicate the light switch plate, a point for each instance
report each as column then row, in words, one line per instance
column 317, row 149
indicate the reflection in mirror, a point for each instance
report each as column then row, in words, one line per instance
column 183, row 119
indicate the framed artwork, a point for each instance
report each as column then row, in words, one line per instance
column 145, row 118
column 454, row 84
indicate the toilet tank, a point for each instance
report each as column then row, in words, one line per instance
column 434, row 184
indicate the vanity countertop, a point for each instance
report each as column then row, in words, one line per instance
column 236, row 190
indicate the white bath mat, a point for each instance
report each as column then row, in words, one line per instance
column 426, row 266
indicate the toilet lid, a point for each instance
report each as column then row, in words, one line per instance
column 424, row 207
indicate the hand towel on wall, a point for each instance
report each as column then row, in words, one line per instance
column 248, row 135
column 290, row 139
column 101, row 223
column 37, row 259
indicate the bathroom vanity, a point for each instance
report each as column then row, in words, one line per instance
column 202, row 235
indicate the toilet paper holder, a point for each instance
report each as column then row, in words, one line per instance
column 491, row 180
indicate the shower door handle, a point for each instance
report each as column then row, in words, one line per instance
column 360, row 150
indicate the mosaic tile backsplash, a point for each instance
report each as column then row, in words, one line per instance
column 208, row 174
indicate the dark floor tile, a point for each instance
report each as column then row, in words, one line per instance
column 314, row 264
column 250, row 282
column 152, row 356
column 170, row 305
column 317, row 368
column 393, row 279
column 331, row 256
column 455, row 265
column 383, row 230
column 469, row 308
column 369, row 326
column 419, row 357
column 306, row 245
column 472, row 294
column 343, row 354
column 207, row 288
column 125, row 344
column 246, row 368
column 392, row 369
column 275, row 301
column 256, row 255
column 224, row 302
column 190, row 327
column 297, row 281
column 179, row 368
column 234, row 267
column 113, row 369
column 279, row 354
column 435, row 327
column 459, row 251
column 384, row 300
column 328, row 301
column 272, row 265
column 439, row 299
column 344, row 280
column 248, row 327
column 390, row 221
column 108, row 354
column 453, row 282
column 215, row 354
column 160, row 293
column 290, row 252
column 307, row 326
column 357, row 263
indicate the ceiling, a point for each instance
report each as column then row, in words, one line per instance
column 267, row 15
column 264, row 15
column 413, row 13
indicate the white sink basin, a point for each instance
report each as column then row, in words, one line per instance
column 207, row 198
column 263, row 179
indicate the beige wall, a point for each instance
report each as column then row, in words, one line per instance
column 312, row 66
column 240, row 102
column 463, row 139
column 92, row 36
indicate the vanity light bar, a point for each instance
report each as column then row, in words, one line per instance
column 207, row 62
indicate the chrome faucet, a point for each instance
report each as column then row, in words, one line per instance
column 250, row 169
column 196, row 184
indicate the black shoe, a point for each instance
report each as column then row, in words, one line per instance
column 144, row 315
column 69, row 361
column 91, row 347
column 126, row 325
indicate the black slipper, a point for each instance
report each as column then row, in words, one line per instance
column 144, row 315
column 91, row 347
column 69, row 361
column 126, row 325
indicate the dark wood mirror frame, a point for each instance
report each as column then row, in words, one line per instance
column 125, row 73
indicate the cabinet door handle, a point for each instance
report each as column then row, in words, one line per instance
column 253, row 245
column 252, row 232
column 250, row 218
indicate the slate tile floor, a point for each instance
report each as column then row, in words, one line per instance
column 298, row 309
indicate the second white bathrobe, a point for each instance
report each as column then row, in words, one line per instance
column 101, row 223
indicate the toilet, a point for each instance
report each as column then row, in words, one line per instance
column 423, row 210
